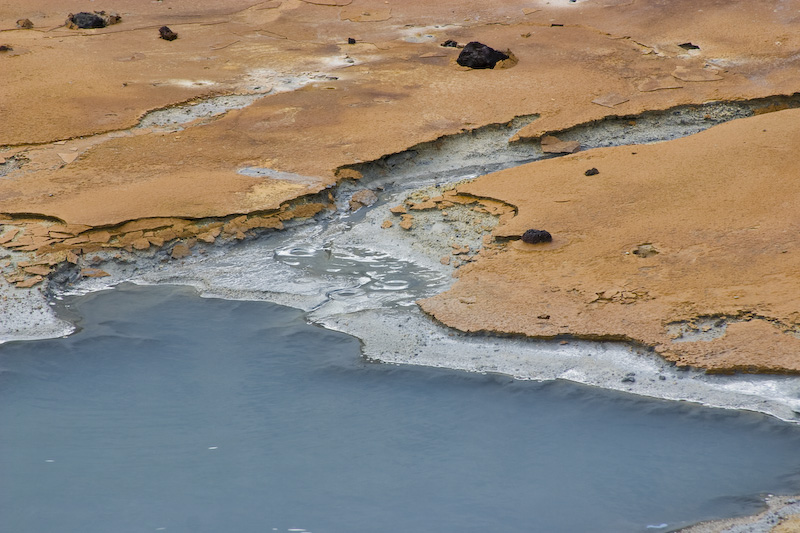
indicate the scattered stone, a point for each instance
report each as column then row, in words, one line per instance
column 689, row 46
column 9, row 235
column 350, row 40
column 629, row 378
column 6, row 48
column 363, row 198
column 387, row 224
column 445, row 260
column 24, row 24
column 591, row 172
column 564, row 342
column 141, row 243
column 449, row 43
column 662, row 378
column 479, row 56
column 29, row 282
column 399, row 210
column 407, row 222
column 543, row 317
column 37, row 270
column 554, row 145
column 85, row 20
column 180, row 251
column 167, row 34
column 645, row 250
column 94, row 273
column 535, row 236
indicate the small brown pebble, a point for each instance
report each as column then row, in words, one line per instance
column 543, row 317
column 25, row 24
column 445, row 260
column 563, row 342
column 167, row 34
column 407, row 222
column 398, row 210
column 387, row 224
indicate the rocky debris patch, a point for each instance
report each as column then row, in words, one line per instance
column 43, row 245
column 463, row 221
column 85, row 20
column 167, row 34
column 480, row 56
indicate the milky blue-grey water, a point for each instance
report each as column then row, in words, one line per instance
column 170, row 412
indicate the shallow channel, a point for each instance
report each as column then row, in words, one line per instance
column 170, row 412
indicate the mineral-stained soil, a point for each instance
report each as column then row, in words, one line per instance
column 690, row 246
column 690, row 241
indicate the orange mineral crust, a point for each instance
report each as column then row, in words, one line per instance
column 689, row 246
column 324, row 102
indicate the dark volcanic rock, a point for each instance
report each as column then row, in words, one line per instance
column 535, row 236
column 478, row 55
column 449, row 43
column 85, row 20
column 6, row 48
column 591, row 172
column 350, row 40
column 167, row 34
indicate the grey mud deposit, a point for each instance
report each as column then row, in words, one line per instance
column 354, row 276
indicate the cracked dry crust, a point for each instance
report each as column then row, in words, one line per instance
column 388, row 98
column 720, row 209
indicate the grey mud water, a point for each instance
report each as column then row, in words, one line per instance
column 169, row 412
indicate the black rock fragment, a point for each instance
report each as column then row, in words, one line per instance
column 167, row 34
column 6, row 48
column 535, row 236
column 630, row 377
column 689, row 46
column 591, row 172
column 350, row 40
column 478, row 55
column 449, row 43
column 86, row 20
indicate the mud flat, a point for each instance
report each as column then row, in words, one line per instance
column 262, row 115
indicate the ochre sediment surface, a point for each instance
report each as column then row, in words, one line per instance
column 691, row 237
column 77, row 170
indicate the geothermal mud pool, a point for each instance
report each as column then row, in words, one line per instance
column 331, row 156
